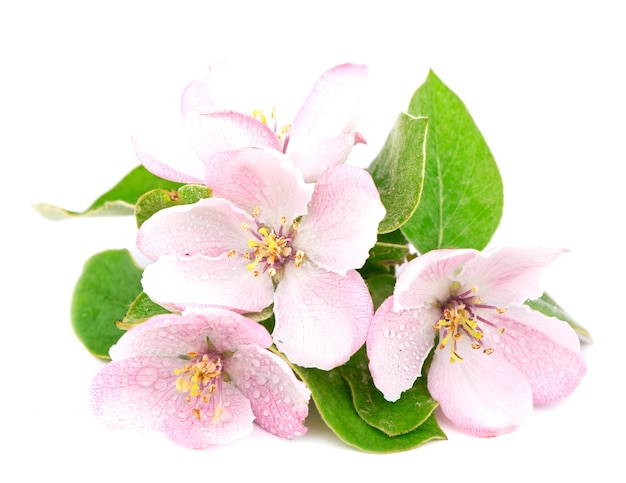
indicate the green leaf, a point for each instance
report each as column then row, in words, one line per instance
column 109, row 283
column 388, row 253
column 398, row 170
column 380, row 287
column 548, row 307
column 140, row 310
column 393, row 418
column 155, row 200
column 119, row 200
column 462, row 199
column 333, row 397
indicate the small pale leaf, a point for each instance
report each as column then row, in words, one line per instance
column 547, row 306
column 119, row 200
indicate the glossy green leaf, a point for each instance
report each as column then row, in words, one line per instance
column 108, row 285
column 547, row 306
column 380, row 287
column 462, row 198
column 332, row 396
column 140, row 310
column 393, row 418
column 119, row 200
column 155, row 200
column 398, row 170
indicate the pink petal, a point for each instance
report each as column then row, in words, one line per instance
column 234, row 423
column 173, row 335
column 397, row 345
column 321, row 317
column 210, row 227
column 180, row 282
column 265, row 179
column 315, row 156
column 137, row 393
column 484, row 395
column 182, row 166
column 332, row 106
column 427, row 278
column 546, row 350
column 509, row 275
column 196, row 98
column 279, row 400
column 342, row 222
column 227, row 131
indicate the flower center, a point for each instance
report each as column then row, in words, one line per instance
column 270, row 248
column 280, row 131
column 201, row 379
column 460, row 319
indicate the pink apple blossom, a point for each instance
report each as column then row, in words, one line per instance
column 202, row 378
column 495, row 357
column 267, row 237
column 320, row 136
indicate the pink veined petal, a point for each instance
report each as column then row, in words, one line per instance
column 484, row 395
column 546, row 350
column 196, row 98
column 342, row 221
column 167, row 335
column 509, row 275
column 227, row 86
column 210, row 227
column 315, row 156
column 182, row 167
column 397, row 345
column 234, row 423
column 170, row 335
column 137, row 393
column 332, row 106
column 427, row 278
column 264, row 179
column 226, row 131
column 322, row 318
column 228, row 330
column 180, row 282
column 279, row 401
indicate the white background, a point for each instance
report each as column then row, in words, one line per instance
column 543, row 81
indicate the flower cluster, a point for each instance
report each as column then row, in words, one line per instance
column 287, row 271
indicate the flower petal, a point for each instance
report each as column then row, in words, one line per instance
column 332, row 106
column 397, row 345
column 279, row 400
column 321, row 317
column 234, row 422
column 136, row 393
column 182, row 165
column 227, row 131
column 427, row 278
column 483, row 395
column 197, row 99
column 315, row 156
column 180, row 282
column 210, row 227
column 546, row 350
column 342, row 221
column 266, row 179
column 509, row 275
column 172, row 335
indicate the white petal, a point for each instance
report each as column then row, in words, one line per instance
column 197, row 281
column 321, row 317
column 397, row 345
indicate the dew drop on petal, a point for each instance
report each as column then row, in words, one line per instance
column 146, row 376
